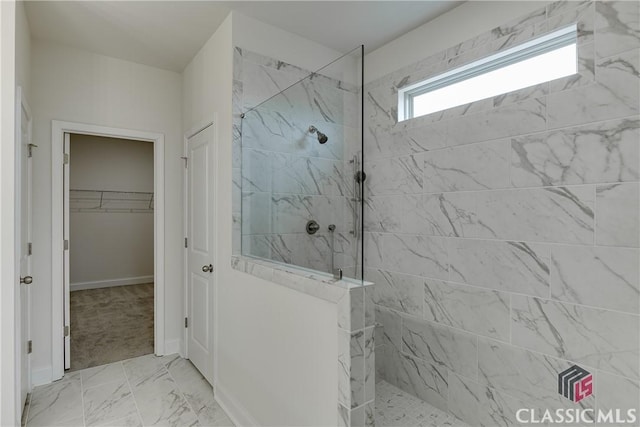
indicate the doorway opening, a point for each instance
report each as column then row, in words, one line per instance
column 110, row 208
column 107, row 245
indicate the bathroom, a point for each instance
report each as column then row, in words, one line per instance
column 500, row 235
column 373, row 264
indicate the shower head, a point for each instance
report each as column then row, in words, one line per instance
column 322, row 138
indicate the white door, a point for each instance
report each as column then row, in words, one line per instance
column 200, row 243
column 24, row 151
column 67, row 296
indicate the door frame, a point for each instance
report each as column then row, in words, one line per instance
column 58, row 129
column 185, row 209
column 21, row 103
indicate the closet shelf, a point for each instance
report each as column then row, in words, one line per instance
column 108, row 201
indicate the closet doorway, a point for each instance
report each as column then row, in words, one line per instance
column 110, row 249
column 108, row 276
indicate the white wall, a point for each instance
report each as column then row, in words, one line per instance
column 110, row 247
column 99, row 163
column 276, row 348
column 23, row 51
column 462, row 23
column 78, row 86
column 274, row 42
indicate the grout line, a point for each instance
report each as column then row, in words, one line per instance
column 513, row 293
column 180, row 390
column 497, row 189
column 402, row 315
column 595, row 215
column 510, row 319
column 84, row 417
column 377, row 159
column 503, row 240
column 135, row 402
column 98, row 385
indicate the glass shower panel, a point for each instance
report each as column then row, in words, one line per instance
column 301, row 155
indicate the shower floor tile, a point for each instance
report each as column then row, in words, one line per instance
column 395, row 408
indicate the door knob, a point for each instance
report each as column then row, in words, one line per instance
column 27, row 280
column 207, row 268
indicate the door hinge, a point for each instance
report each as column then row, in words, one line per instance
column 186, row 242
column 186, row 322
column 29, row 346
column 66, row 245
column 186, row 160
column 66, row 331
column 29, row 248
column 66, row 158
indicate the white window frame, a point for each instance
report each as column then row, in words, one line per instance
column 554, row 40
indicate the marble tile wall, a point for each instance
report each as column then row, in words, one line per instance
column 283, row 176
column 503, row 236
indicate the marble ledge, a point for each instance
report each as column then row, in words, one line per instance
column 316, row 284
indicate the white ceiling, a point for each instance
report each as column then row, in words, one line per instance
column 167, row 34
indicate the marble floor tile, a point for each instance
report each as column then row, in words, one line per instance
column 396, row 408
column 109, row 402
column 167, row 409
column 130, row 421
column 188, row 402
column 76, row 422
column 183, row 372
column 100, row 375
column 144, row 391
column 159, row 383
column 56, row 402
column 142, row 368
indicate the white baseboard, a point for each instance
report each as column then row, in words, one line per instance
column 234, row 409
column 41, row 376
column 79, row 286
column 172, row 346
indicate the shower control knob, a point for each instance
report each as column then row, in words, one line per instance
column 312, row 227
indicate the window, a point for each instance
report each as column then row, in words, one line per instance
column 537, row 61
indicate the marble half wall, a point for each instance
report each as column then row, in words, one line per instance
column 355, row 332
column 503, row 235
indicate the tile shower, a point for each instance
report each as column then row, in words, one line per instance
column 301, row 145
column 298, row 151
column 502, row 236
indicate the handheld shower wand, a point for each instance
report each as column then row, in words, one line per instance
column 337, row 272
